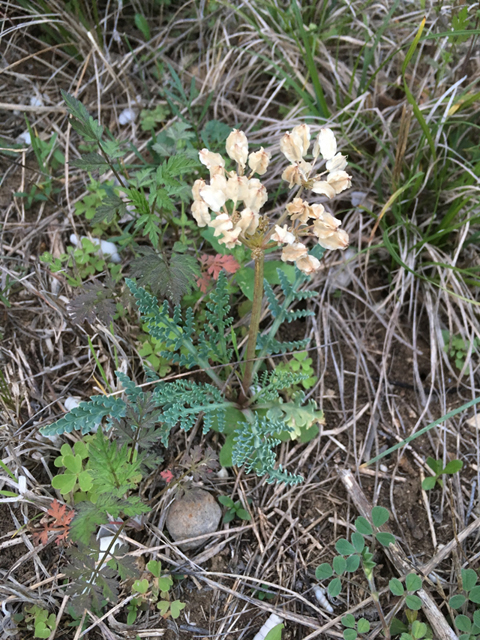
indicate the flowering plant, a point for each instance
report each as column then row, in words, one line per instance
column 217, row 205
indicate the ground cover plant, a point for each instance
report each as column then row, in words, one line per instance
column 144, row 352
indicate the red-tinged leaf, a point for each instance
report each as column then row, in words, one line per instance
column 203, row 282
column 60, row 514
column 167, row 475
column 218, row 262
column 40, row 537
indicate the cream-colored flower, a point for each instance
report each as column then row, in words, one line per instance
column 337, row 163
column 300, row 210
column 230, row 238
column 292, row 252
column 198, row 185
column 323, row 188
column 257, row 195
column 236, row 187
column 210, row 159
column 308, row 264
column 237, row 147
column 295, row 145
column 339, row 180
column 214, row 193
column 200, row 213
column 283, row 235
column 325, row 144
column 221, row 224
column 338, row 240
column 292, row 175
column 248, row 222
column 326, row 225
column 316, row 211
column 258, row 161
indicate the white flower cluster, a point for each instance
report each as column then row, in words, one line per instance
column 234, row 227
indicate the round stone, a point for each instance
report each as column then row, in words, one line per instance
column 194, row 514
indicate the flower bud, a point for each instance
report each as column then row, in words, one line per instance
column 237, row 187
column 258, row 161
column 237, row 147
column 292, row 175
column 210, row 159
column 325, row 144
column 198, row 185
column 338, row 240
column 337, row 163
column 200, row 213
column 308, row 264
column 248, row 222
column 295, row 145
column 292, row 252
column 317, row 211
column 283, row 235
column 323, row 188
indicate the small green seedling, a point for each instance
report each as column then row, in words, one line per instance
column 234, row 509
column 300, row 363
column 263, row 593
column 412, row 583
column 471, row 592
column 457, row 348
column 75, row 477
column 355, row 552
column 439, row 470
column 42, row 622
column 354, row 627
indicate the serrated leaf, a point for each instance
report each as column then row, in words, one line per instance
column 91, row 162
column 334, row 587
column 110, row 207
column 339, row 565
column 413, row 582
column 396, row 587
column 385, row 538
column 344, row 547
column 380, row 515
column 173, row 278
column 413, row 602
column 363, row 526
column 324, row 571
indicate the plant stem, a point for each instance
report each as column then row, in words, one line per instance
column 258, row 255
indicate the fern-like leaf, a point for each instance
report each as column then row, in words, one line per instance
column 271, row 346
column 87, row 416
column 212, row 340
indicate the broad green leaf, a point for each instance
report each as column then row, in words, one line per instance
column 358, row 541
column 435, row 465
column 245, row 278
column 396, row 587
column 350, row 634
column 155, row 567
column 380, row 515
column 73, row 463
column 363, row 625
column 85, row 481
column 429, row 483
column 275, row 633
column 225, row 457
column 457, row 601
column 142, row 25
column 353, row 562
column 176, row 607
column 165, row 583
column 81, row 449
column 463, row 623
column 348, row 620
column 334, row 587
column 419, row 629
column 473, row 596
column 453, row 466
column 226, row 501
column 64, row 483
column 141, row 586
column 41, row 630
column 243, row 514
column 413, row 602
column 385, row 538
column 324, row 571
column 344, row 547
column 363, row 526
column 270, row 271
column 163, row 606
column 339, row 565
column 413, row 582
column 476, row 618
column 397, row 627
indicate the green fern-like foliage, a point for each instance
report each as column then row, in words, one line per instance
column 270, row 383
column 87, row 416
column 253, row 448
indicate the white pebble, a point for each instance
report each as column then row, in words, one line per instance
column 271, row 622
column 223, row 473
column 384, row 468
column 127, row 116
column 24, row 138
column 108, row 249
column 71, row 403
column 36, row 101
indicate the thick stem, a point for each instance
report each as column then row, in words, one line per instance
column 258, row 256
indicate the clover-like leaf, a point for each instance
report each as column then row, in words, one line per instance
column 358, row 541
column 350, row 634
column 176, row 607
column 163, row 606
column 363, row 625
column 85, row 480
column 353, row 562
column 324, row 571
column 385, row 538
column 344, row 547
column 334, row 587
column 457, row 601
column 380, row 515
column 339, row 565
column 165, row 583
column 155, row 567
column 396, row 587
column 463, row 623
column 348, row 620
column 64, row 483
column 469, row 579
column 413, row 582
column 73, row 463
column 363, row 526
column 413, row 602
column 474, row 595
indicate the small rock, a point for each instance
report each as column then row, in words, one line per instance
column 195, row 514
